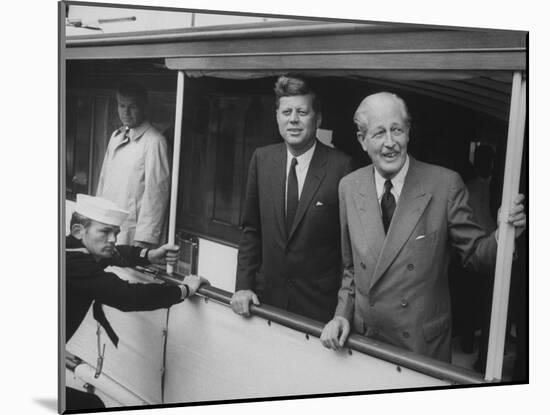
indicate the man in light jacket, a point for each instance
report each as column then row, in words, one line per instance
column 136, row 171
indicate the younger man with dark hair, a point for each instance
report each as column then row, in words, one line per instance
column 289, row 255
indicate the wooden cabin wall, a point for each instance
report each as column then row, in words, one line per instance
column 224, row 122
column 92, row 114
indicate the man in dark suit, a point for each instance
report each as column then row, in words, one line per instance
column 399, row 217
column 90, row 248
column 289, row 254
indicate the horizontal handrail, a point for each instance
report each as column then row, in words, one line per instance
column 410, row 360
column 71, row 361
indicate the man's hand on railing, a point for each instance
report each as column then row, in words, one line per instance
column 166, row 254
column 193, row 282
column 240, row 302
column 335, row 333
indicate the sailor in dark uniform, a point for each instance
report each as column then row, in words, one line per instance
column 90, row 248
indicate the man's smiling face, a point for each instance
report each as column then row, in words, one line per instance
column 298, row 122
column 386, row 135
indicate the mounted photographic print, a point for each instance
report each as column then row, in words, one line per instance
column 266, row 207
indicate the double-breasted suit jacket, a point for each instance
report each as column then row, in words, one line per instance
column 300, row 271
column 395, row 286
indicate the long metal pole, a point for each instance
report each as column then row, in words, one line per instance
column 175, row 165
column 501, row 291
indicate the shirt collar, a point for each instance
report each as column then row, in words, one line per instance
column 136, row 133
column 397, row 181
column 303, row 159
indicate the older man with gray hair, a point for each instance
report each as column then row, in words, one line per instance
column 399, row 218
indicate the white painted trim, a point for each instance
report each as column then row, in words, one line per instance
column 512, row 170
column 175, row 165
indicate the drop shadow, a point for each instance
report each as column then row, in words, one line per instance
column 48, row 403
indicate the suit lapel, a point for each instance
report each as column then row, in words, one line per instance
column 369, row 213
column 277, row 180
column 412, row 203
column 315, row 175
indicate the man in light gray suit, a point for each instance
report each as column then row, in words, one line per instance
column 399, row 217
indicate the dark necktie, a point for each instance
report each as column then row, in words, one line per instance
column 388, row 205
column 291, row 195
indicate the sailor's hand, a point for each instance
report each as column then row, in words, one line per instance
column 166, row 254
column 194, row 282
column 240, row 302
column 335, row 333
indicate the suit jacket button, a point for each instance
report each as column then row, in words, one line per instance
column 406, row 334
column 363, row 265
column 410, row 267
column 404, row 303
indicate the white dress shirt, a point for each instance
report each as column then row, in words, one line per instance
column 302, row 167
column 397, row 182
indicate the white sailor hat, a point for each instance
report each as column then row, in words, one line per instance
column 99, row 209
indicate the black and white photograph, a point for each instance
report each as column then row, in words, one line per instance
column 263, row 207
column 266, row 209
